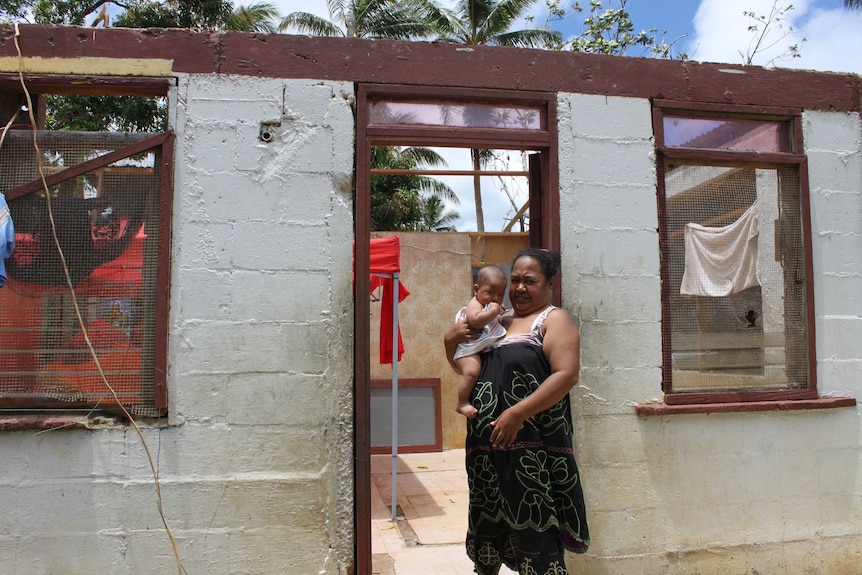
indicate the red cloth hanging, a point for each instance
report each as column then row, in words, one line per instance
column 386, row 316
column 385, row 258
column 385, row 255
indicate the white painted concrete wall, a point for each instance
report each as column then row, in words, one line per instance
column 256, row 460
column 255, row 463
column 772, row 492
column 261, row 356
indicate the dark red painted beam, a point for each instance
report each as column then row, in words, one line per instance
column 442, row 64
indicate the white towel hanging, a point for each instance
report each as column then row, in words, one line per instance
column 721, row 261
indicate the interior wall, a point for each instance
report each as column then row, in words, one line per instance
column 436, row 267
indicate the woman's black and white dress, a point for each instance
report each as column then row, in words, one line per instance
column 526, row 501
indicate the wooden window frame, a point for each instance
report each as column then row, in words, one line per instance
column 770, row 160
column 432, row 383
column 42, row 84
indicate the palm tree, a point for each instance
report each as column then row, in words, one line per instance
column 201, row 15
column 435, row 216
column 853, row 4
column 139, row 113
column 393, row 19
column 476, row 22
column 398, row 200
column 196, row 15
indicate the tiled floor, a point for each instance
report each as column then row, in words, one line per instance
column 428, row 535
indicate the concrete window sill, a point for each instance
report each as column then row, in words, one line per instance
column 56, row 422
column 660, row 408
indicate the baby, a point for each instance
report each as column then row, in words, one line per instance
column 482, row 313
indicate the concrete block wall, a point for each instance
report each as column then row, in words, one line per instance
column 256, row 458
column 261, row 348
column 611, row 285
column 833, row 145
column 769, row 492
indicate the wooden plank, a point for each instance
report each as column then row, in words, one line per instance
column 88, row 166
column 737, row 359
column 742, row 405
column 726, row 340
column 691, row 381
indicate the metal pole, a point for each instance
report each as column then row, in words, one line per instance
column 395, row 295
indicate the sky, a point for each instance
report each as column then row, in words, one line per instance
column 717, row 30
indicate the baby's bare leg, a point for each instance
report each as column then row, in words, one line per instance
column 470, row 366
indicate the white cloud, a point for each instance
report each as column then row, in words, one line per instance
column 496, row 204
column 833, row 37
column 834, row 42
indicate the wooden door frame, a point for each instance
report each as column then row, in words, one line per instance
column 367, row 136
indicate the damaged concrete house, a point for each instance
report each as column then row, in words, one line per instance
column 221, row 267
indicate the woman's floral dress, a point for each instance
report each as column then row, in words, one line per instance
column 526, row 501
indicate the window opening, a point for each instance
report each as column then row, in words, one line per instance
column 736, row 287
column 435, row 189
column 106, row 192
column 461, row 115
column 726, row 133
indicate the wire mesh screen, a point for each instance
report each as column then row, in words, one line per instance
column 77, row 313
column 735, row 264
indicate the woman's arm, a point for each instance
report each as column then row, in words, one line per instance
column 562, row 346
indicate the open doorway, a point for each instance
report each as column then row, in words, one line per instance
column 499, row 167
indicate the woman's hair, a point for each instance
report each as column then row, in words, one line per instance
column 549, row 261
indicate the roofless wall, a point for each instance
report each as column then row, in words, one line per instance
column 262, row 445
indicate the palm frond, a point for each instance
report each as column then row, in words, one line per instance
column 447, row 25
column 425, row 157
column 531, row 38
column 378, row 19
column 435, row 219
column 434, row 188
column 258, row 17
column 396, row 19
column 305, row 23
column 489, row 22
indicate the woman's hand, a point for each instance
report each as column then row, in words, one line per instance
column 506, row 428
column 457, row 333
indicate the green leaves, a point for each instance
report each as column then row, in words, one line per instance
column 393, row 19
column 105, row 113
column 192, row 14
column 610, row 31
column 477, row 22
column 409, row 201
